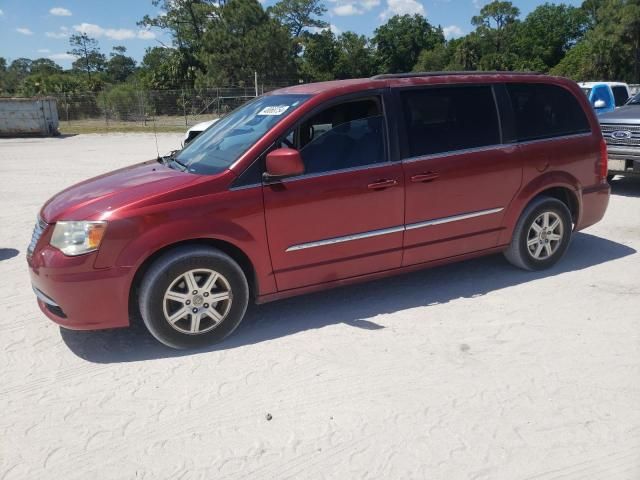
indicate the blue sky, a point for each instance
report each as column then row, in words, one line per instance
column 40, row 28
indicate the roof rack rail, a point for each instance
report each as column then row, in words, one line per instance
column 384, row 76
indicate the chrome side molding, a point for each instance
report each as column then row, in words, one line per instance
column 346, row 238
column 454, row 218
column 386, row 231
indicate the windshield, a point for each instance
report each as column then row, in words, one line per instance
column 215, row 149
column 587, row 91
column 635, row 100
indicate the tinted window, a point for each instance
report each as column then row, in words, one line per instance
column 620, row 95
column 545, row 111
column 445, row 119
column 347, row 135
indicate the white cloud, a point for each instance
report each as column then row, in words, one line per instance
column 1, row 13
column 452, row 31
column 402, row 7
column 97, row 31
column 62, row 56
column 332, row 27
column 347, row 9
column 60, row 12
column 24, row 31
column 146, row 34
column 119, row 33
column 63, row 33
column 353, row 7
column 43, row 50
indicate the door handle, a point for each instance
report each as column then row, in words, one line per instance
column 425, row 177
column 380, row 184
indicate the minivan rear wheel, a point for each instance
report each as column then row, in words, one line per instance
column 193, row 296
column 541, row 236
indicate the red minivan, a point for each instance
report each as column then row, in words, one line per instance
column 320, row 185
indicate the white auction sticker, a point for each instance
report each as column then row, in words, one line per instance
column 275, row 110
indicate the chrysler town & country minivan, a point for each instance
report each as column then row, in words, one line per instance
column 321, row 185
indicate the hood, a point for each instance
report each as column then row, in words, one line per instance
column 202, row 126
column 627, row 115
column 99, row 197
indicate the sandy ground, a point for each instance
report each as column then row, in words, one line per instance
column 470, row 371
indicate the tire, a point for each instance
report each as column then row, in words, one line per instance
column 524, row 256
column 190, row 279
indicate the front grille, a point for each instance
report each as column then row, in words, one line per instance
column 634, row 131
column 38, row 230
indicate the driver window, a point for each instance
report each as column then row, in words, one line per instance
column 346, row 135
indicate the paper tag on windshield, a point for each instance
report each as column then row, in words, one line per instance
column 275, row 110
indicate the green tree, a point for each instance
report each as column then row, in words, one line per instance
column 44, row 66
column 15, row 73
column 299, row 15
column 355, row 57
column 89, row 58
column 400, row 41
column 53, row 83
column 577, row 63
column 120, row 66
column 187, row 21
column 166, row 68
column 611, row 49
column 246, row 40
column 319, row 57
column 466, row 53
column 436, row 59
column 548, row 32
column 495, row 29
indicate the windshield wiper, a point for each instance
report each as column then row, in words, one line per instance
column 170, row 159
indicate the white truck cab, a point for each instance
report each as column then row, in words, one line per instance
column 620, row 90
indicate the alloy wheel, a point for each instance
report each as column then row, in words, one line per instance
column 545, row 235
column 197, row 301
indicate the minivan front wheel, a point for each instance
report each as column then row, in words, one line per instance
column 541, row 236
column 193, row 296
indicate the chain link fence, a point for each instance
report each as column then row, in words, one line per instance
column 127, row 108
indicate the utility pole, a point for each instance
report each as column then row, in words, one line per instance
column 255, row 81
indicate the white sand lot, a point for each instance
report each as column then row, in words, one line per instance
column 470, row 371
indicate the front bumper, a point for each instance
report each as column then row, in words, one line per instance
column 624, row 159
column 75, row 295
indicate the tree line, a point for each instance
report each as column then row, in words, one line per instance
column 223, row 42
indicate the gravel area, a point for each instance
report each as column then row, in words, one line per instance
column 470, row 371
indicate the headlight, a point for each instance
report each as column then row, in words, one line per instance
column 76, row 238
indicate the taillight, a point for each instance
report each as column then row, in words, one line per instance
column 603, row 164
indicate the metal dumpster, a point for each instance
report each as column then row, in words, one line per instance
column 28, row 116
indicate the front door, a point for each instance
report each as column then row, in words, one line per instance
column 459, row 177
column 344, row 216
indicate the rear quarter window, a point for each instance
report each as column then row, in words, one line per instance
column 546, row 111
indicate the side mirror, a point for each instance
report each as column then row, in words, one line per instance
column 283, row 163
column 599, row 104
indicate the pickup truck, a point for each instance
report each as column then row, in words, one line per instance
column 605, row 96
column 621, row 131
